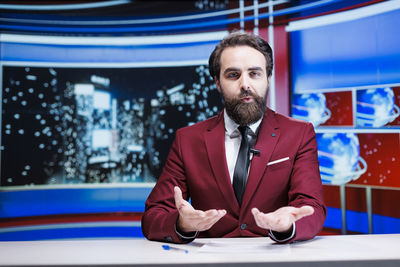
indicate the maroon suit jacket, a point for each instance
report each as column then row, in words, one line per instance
column 197, row 164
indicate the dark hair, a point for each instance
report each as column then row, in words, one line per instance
column 239, row 39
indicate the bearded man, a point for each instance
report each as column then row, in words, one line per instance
column 249, row 171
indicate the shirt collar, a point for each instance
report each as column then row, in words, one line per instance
column 231, row 127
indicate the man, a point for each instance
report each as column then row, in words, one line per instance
column 259, row 180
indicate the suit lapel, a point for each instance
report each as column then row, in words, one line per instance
column 215, row 143
column 266, row 141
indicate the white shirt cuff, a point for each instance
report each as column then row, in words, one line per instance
column 185, row 237
column 273, row 237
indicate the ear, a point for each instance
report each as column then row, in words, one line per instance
column 217, row 83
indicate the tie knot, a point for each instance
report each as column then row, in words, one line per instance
column 243, row 130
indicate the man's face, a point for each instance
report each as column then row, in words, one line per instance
column 243, row 83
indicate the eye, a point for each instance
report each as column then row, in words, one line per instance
column 255, row 74
column 232, row 75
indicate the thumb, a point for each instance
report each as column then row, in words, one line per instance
column 255, row 211
column 178, row 197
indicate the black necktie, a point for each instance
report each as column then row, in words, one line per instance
column 242, row 164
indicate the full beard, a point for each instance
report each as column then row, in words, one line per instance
column 245, row 113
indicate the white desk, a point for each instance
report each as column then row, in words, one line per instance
column 350, row 250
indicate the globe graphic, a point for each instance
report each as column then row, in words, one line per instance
column 376, row 107
column 311, row 108
column 339, row 158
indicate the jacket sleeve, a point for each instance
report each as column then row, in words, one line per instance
column 160, row 216
column 306, row 188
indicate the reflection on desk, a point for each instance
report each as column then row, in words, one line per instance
column 350, row 250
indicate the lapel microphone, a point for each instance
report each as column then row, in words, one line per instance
column 255, row 152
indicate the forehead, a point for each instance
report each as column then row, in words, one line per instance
column 242, row 57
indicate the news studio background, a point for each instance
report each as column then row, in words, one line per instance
column 345, row 82
column 92, row 94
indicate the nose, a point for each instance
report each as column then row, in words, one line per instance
column 244, row 83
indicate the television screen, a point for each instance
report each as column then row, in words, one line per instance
column 97, row 125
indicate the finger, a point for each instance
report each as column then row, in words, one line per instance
column 210, row 221
column 211, row 213
column 221, row 213
column 210, row 217
column 307, row 210
column 303, row 212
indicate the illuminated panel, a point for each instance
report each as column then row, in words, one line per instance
column 102, row 100
column 101, row 138
column 356, row 53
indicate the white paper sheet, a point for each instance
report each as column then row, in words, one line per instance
column 248, row 247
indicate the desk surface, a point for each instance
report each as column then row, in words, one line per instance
column 350, row 250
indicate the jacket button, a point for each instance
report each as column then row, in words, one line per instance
column 243, row 226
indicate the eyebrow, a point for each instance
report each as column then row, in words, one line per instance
column 256, row 68
column 237, row 69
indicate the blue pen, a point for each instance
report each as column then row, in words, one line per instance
column 168, row 247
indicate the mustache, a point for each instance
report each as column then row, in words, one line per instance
column 245, row 93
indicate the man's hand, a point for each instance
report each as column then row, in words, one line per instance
column 191, row 220
column 282, row 219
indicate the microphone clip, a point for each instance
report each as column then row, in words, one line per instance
column 255, row 152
